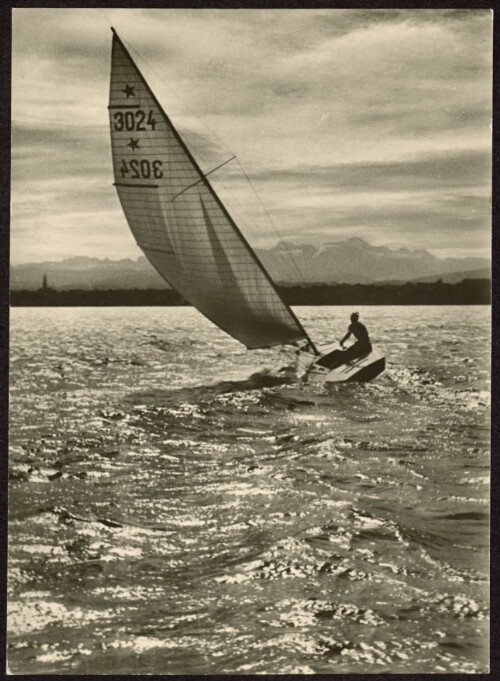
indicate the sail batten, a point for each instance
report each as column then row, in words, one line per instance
column 179, row 221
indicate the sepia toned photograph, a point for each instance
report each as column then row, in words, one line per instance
column 250, row 337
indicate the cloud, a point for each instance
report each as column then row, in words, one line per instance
column 460, row 169
column 366, row 122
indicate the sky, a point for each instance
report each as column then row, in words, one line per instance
column 347, row 123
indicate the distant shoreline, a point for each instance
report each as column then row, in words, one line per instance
column 466, row 292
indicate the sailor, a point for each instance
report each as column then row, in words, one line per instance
column 362, row 346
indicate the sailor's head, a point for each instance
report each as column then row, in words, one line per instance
column 354, row 316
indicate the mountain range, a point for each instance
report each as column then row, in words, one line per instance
column 353, row 261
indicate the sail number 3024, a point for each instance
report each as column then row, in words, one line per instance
column 134, row 121
column 141, row 169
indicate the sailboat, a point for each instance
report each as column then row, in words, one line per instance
column 187, row 234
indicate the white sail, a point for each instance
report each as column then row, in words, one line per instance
column 180, row 223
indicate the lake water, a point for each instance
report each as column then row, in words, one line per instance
column 179, row 505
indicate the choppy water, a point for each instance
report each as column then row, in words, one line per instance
column 179, row 505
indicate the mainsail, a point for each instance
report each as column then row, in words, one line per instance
column 180, row 223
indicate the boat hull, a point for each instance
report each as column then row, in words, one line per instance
column 361, row 369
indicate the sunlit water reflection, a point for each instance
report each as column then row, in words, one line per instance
column 179, row 505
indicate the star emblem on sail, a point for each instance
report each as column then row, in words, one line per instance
column 133, row 144
column 129, row 90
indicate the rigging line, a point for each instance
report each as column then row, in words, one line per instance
column 241, row 209
column 299, row 271
column 230, row 194
column 251, row 220
column 179, row 99
column 248, row 220
column 201, row 180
